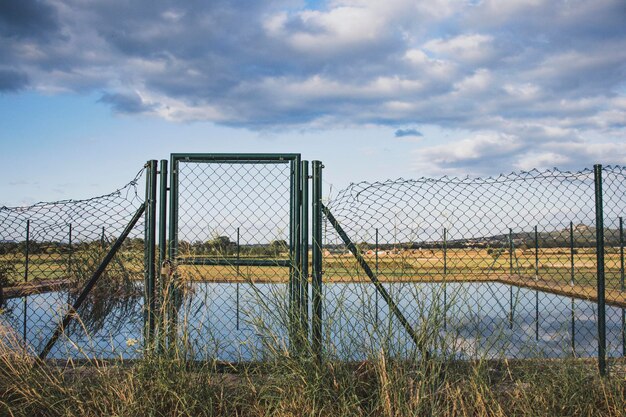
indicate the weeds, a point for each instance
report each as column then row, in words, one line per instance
column 298, row 386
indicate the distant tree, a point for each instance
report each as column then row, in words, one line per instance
column 220, row 245
column 278, row 246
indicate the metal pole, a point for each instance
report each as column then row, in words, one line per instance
column 293, row 299
column 102, row 239
column 536, row 279
column 571, row 252
column 316, row 254
column 162, row 252
column 69, row 246
column 571, row 282
column 150, row 251
column 621, row 281
column 173, row 301
column 445, row 272
column 92, row 281
column 163, row 212
column 26, row 264
column 510, row 273
column 237, row 280
column 600, row 270
column 304, row 246
column 297, row 211
column 445, row 251
column 376, row 292
column 69, row 260
column 298, row 252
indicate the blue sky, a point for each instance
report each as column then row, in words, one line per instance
column 90, row 90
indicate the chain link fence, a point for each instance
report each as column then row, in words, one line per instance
column 233, row 250
column 492, row 267
column 48, row 251
column 462, row 268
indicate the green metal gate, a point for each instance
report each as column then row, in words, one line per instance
column 238, row 246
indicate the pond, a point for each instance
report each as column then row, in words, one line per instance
column 233, row 322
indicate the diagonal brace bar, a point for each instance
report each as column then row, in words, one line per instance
column 90, row 284
column 379, row 287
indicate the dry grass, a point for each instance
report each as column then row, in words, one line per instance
column 382, row 385
column 405, row 265
column 286, row 386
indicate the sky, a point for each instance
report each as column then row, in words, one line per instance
column 91, row 89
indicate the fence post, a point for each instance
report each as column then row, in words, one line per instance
column 69, row 260
column 295, row 255
column 150, row 252
column 600, row 269
column 304, row 247
column 376, row 292
column 511, row 275
column 172, row 311
column 621, row 281
column 69, row 247
column 445, row 273
column 161, row 290
column 316, row 281
column 237, row 282
column 26, row 265
column 571, row 282
column 536, row 279
column 445, row 251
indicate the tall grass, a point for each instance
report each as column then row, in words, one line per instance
column 386, row 381
column 380, row 386
column 368, row 368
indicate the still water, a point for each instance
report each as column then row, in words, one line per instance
column 246, row 322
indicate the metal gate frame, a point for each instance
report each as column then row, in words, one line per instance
column 298, row 237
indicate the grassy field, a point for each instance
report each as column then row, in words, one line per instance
column 462, row 265
column 61, row 266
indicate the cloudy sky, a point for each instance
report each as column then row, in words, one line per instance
column 90, row 89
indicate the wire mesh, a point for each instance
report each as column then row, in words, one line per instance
column 233, row 252
column 481, row 267
column 47, row 253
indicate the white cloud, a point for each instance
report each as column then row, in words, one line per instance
column 524, row 91
column 289, row 91
column 493, row 12
column 492, row 152
column 479, row 81
column 483, row 147
column 326, row 32
column 432, row 68
column 473, row 48
column 514, row 75
column 547, row 159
